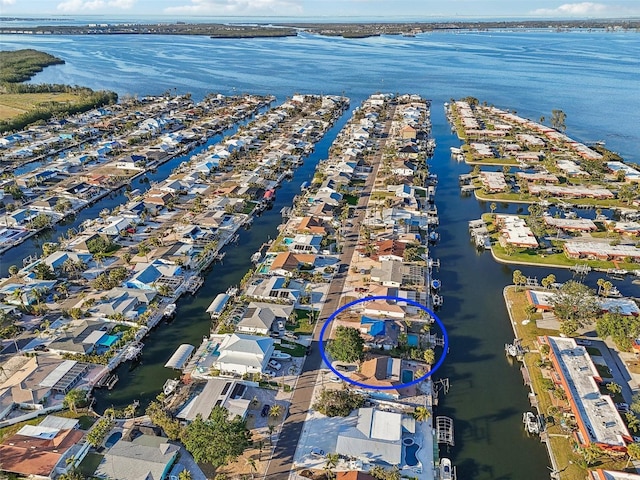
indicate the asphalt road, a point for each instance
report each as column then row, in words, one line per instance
column 282, row 459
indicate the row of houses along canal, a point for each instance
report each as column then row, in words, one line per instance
column 486, row 396
column 473, row 312
column 32, row 247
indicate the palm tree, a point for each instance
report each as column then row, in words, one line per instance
column 331, row 463
column 421, row 414
column 275, row 411
column 429, row 356
column 252, row 466
column 74, row 397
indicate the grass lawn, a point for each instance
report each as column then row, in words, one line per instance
column 248, row 207
column 302, row 327
column 561, row 440
column 13, row 104
column 296, row 349
column 90, row 463
column 351, row 200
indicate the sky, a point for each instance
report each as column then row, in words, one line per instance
column 329, row 8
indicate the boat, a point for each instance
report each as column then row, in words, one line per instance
column 434, row 237
column 455, row 150
column 530, row 423
column 170, row 385
column 255, row 258
column 280, row 356
column 446, row 472
column 169, row 310
column 436, row 284
column 437, row 301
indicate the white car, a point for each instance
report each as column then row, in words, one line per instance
column 270, row 373
column 275, row 365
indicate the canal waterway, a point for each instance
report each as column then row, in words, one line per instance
column 592, row 76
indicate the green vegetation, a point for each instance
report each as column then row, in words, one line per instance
column 21, row 65
column 338, row 403
column 347, row 346
column 217, row 441
column 621, row 328
column 96, row 436
column 89, row 464
column 575, row 306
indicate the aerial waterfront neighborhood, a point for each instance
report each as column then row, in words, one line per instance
column 306, row 238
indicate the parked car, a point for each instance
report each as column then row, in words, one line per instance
column 270, row 373
column 623, row 407
column 275, row 365
column 335, row 378
column 317, row 452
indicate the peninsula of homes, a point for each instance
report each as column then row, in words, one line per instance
column 560, row 182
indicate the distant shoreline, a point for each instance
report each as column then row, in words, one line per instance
column 335, row 29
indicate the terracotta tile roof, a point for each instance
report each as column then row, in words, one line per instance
column 312, row 225
column 36, row 456
column 353, row 475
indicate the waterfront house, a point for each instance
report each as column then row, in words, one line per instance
column 286, row 263
column 311, row 225
column 222, row 392
column 515, row 231
column 84, row 337
column 493, row 182
column 380, row 333
column 262, row 318
column 117, row 225
column 598, row 420
column 240, row 353
column 80, row 244
column 302, row 243
column 601, row 251
column 46, row 450
column 149, row 276
column 377, row 436
column 57, row 259
column 353, row 475
column 384, row 308
column 19, row 217
column 275, row 288
column 571, row 224
column 138, row 456
column 390, row 250
column 129, row 302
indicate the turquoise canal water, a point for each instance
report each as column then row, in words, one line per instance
column 592, row 76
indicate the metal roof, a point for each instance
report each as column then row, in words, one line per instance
column 180, row 356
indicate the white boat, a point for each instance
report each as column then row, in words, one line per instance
column 455, row 150
column 170, row 385
column 280, row 356
column 446, row 472
column 169, row 310
column 255, row 258
column 530, row 423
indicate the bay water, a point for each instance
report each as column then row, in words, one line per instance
column 593, row 76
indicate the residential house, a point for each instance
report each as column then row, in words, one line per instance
column 380, row 333
column 224, row 392
column 310, row 244
column 286, row 263
column 57, row 259
column 311, row 225
column 262, row 318
column 239, row 353
column 275, row 288
column 377, row 436
column 390, row 250
column 148, row 457
column 46, row 450
column 149, row 276
column 85, row 337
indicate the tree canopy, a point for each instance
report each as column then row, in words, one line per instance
column 338, row 403
column 621, row 328
column 218, row 440
column 347, row 346
column 575, row 306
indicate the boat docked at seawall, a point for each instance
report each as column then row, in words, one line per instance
column 170, row 310
column 446, row 470
column 530, row 422
column 170, row 385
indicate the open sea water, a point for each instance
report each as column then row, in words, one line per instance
column 593, row 76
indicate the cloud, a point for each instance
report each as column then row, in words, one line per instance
column 7, row 2
column 93, row 5
column 570, row 9
column 234, row 7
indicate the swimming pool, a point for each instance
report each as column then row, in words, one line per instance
column 413, row 339
column 113, row 439
column 410, row 457
column 407, row 376
column 287, row 241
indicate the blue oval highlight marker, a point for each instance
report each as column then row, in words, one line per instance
column 434, row 368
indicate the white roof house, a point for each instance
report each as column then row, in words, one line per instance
column 260, row 317
column 239, row 353
column 376, row 437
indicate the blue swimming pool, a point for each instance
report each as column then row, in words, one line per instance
column 113, row 439
column 407, row 376
column 413, row 340
column 410, row 455
column 287, row 241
